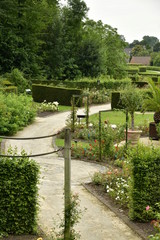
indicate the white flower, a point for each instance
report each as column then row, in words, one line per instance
column 56, row 103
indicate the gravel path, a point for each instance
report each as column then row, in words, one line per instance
column 97, row 222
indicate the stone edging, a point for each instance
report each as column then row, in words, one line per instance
column 124, row 218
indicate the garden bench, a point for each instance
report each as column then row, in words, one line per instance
column 79, row 116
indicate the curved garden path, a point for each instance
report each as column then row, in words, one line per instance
column 97, row 222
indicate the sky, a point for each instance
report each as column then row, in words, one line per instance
column 132, row 18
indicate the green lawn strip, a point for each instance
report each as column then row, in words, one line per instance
column 64, row 108
column 60, row 143
column 119, row 117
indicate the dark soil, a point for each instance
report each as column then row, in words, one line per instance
column 46, row 114
column 142, row 229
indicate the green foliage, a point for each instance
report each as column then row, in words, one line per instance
column 49, row 93
column 50, row 106
column 74, row 212
column 20, row 34
column 132, row 70
column 131, row 100
column 153, row 68
column 15, row 113
column 144, row 185
column 116, row 101
column 142, row 69
column 156, row 60
column 115, row 183
column 156, row 47
column 16, row 77
column 152, row 102
column 18, row 194
column 89, row 58
column 97, row 96
column 10, row 89
column 139, row 50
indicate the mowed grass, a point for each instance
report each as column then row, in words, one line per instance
column 119, row 117
column 60, row 143
column 64, row 108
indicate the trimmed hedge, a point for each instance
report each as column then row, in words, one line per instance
column 108, row 84
column 153, row 68
column 155, row 79
column 18, row 195
column 6, row 83
column 115, row 101
column 133, row 70
column 140, row 84
column 10, row 89
column 49, row 93
column 145, row 182
column 142, row 69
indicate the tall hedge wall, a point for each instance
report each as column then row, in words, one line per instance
column 145, row 182
column 18, row 195
column 49, row 93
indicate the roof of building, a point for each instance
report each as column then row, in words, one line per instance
column 144, row 60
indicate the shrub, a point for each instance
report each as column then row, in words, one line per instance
column 10, row 89
column 87, row 83
column 132, row 101
column 50, row 106
column 116, row 101
column 155, row 79
column 62, row 95
column 144, row 184
column 132, row 70
column 18, row 195
column 153, row 68
column 15, row 113
column 140, row 84
column 142, row 69
column 16, row 77
column 97, row 96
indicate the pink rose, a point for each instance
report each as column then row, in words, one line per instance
column 147, row 208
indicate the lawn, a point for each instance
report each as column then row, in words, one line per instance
column 60, row 143
column 64, row 108
column 119, row 117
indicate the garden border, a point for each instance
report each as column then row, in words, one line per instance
column 116, row 211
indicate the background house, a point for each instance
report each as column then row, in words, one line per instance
column 141, row 60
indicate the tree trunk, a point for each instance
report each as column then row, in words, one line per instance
column 132, row 119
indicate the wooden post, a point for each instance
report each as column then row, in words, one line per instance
column 126, row 128
column 73, row 126
column 87, row 110
column 67, row 185
column 100, row 146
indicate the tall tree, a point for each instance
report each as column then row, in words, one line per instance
column 22, row 23
column 139, row 50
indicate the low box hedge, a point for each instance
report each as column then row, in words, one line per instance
column 153, row 68
column 145, row 182
column 155, row 79
column 108, row 84
column 142, row 69
column 18, row 195
column 140, row 84
column 133, row 70
column 49, row 93
column 115, row 101
column 10, row 89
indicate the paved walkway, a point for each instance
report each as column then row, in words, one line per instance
column 97, row 222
